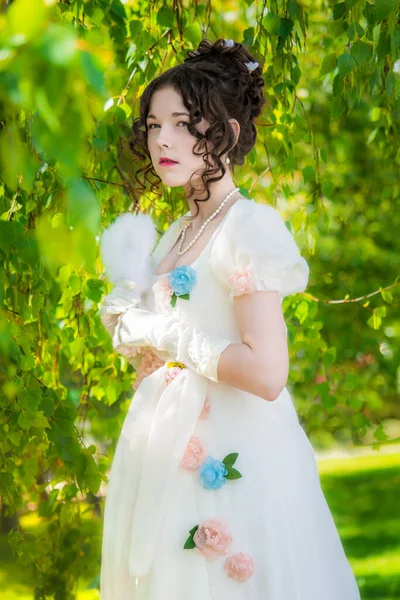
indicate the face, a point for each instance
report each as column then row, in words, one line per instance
column 168, row 136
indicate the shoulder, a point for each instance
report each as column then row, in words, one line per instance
column 255, row 226
column 256, row 249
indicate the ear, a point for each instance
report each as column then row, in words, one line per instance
column 236, row 128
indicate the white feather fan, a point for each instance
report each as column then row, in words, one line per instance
column 125, row 248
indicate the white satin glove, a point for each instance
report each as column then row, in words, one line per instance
column 194, row 348
column 122, row 297
column 134, row 328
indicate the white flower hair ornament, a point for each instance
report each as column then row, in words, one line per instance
column 251, row 65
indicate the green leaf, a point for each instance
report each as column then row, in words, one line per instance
column 285, row 28
column 339, row 10
column 292, row 8
column 327, row 188
column 346, row 63
column 337, row 28
column 48, row 403
column 83, row 206
column 383, row 48
column 230, row 459
column 383, row 8
column 356, row 402
column 390, row 83
column 40, row 420
column 189, row 544
column 94, row 289
column 328, row 64
column 328, row 401
column 14, row 437
column 233, row 474
column 387, row 296
column 11, row 234
column 361, row 51
column 135, row 27
column 92, row 72
column 173, row 299
column 165, row 17
column 379, row 434
column 309, row 174
column 272, row 23
column 25, row 419
column 184, row 296
column 118, row 10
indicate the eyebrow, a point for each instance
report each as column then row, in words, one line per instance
column 174, row 114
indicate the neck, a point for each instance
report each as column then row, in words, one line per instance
column 208, row 207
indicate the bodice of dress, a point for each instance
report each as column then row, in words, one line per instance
column 250, row 246
column 208, row 307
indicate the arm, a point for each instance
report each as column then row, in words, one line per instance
column 256, row 260
column 133, row 328
column 259, row 365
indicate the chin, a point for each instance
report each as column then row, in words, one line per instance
column 172, row 181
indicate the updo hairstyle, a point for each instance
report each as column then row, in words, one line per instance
column 217, row 81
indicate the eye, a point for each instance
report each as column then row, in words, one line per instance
column 151, row 124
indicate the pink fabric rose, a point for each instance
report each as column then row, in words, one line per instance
column 241, row 282
column 239, row 566
column 162, row 293
column 149, row 363
column 171, row 373
column 195, row 454
column 206, row 410
column 213, row 538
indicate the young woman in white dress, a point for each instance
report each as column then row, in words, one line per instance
column 214, row 492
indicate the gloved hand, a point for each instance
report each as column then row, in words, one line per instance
column 133, row 328
column 122, row 297
column 196, row 349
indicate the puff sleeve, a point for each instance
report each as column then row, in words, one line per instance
column 256, row 252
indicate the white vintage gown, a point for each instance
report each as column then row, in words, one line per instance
column 276, row 512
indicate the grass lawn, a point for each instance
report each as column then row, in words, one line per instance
column 361, row 494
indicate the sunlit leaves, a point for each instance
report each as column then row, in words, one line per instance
column 71, row 75
column 26, row 18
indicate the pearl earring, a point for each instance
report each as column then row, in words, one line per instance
column 228, row 160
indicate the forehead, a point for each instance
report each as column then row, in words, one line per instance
column 166, row 102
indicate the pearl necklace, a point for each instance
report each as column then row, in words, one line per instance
column 206, row 222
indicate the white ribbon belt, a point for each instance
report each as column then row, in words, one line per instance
column 159, row 429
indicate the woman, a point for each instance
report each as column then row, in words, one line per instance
column 214, row 491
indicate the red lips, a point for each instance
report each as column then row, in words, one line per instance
column 164, row 160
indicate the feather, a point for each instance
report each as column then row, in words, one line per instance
column 126, row 246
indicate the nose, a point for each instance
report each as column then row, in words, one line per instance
column 163, row 138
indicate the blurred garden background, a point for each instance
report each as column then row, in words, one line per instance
column 327, row 157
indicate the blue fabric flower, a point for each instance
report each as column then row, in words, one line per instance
column 212, row 473
column 182, row 279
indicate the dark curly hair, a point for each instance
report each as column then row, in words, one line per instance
column 215, row 84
